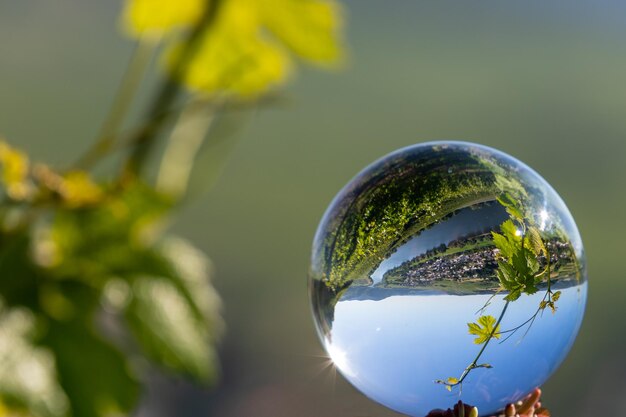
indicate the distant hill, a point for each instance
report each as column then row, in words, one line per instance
column 379, row 292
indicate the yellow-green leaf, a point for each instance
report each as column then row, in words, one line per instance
column 308, row 27
column 503, row 245
column 15, row 170
column 484, row 329
column 243, row 52
column 535, row 241
column 158, row 17
column 510, row 231
column 233, row 59
column 452, row 381
column 78, row 189
column 512, row 207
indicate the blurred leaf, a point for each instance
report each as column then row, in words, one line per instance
column 94, row 244
column 158, row 17
column 168, row 331
column 175, row 317
column 78, row 258
column 235, row 57
column 232, row 56
column 28, row 378
column 171, row 308
column 193, row 269
column 15, row 172
column 93, row 373
column 18, row 285
column 308, row 27
column 74, row 188
column 511, row 205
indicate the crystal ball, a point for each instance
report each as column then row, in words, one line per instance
column 447, row 271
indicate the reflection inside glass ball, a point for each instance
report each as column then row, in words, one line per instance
column 447, row 271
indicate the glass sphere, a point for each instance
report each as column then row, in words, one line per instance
column 447, row 271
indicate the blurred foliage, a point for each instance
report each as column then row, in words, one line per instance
column 94, row 290
column 390, row 212
column 237, row 47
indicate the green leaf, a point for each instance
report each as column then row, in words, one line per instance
column 484, row 329
column 308, row 27
column 160, row 286
column 170, row 334
column 530, row 288
column 19, row 287
column 92, row 245
column 515, row 213
column 520, row 264
column 21, row 359
column 556, row 296
column 514, row 294
column 535, row 242
column 512, row 206
column 178, row 328
column 507, row 275
column 532, row 261
column 192, row 269
column 511, row 232
column 506, row 199
column 94, row 374
column 503, row 245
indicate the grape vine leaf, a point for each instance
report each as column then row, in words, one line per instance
column 485, row 328
column 535, row 242
column 511, row 206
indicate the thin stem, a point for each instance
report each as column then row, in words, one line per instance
column 474, row 364
column 513, row 330
column 183, row 145
column 167, row 95
column 488, row 302
column 131, row 80
column 482, row 349
column 549, row 272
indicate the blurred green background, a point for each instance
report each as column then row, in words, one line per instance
column 542, row 81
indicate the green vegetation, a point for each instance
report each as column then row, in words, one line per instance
column 520, row 250
column 398, row 200
column 96, row 295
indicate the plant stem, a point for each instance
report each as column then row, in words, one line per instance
column 472, row 365
column 167, row 95
column 183, row 145
column 131, row 80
